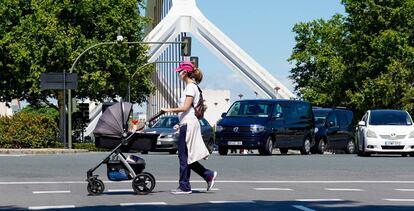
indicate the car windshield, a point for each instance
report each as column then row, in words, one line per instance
column 249, row 109
column 389, row 117
column 166, row 122
column 320, row 116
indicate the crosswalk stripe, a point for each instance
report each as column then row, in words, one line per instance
column 231, row 202
column 142, row 203
column 318, row 200
column 51, row 207
column 343, row 189
column 400, row 200
column 52, row 191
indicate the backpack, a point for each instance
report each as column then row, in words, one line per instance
column 200, row 108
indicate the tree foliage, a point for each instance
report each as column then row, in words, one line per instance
column 363, row 60
column 48, row 35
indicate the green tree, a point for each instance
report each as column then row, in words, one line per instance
column 363, row 60
column 47, row 36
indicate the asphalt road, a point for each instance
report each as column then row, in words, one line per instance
column 245, row 182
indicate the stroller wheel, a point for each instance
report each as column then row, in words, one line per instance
column 150, row 175
column 143, row 184
column 95, row 186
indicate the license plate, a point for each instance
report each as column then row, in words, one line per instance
column 392, row 143
column 237, row 143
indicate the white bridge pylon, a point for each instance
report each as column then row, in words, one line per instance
column 184, row 16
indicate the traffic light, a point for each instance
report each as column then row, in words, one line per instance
column 84, row 109
column 194, row 60
column 186, row 46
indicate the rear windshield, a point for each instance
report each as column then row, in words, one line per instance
column 166, row 122
column 249, row 109
column 320, row 116
column 390, row 118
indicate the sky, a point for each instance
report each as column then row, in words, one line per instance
column 263, row 29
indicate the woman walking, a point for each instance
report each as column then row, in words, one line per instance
column 191, row 147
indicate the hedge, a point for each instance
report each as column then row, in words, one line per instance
column 28, row 130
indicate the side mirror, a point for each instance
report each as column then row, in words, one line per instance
column 223, row 115
column 361, row 123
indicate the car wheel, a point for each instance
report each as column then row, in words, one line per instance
column 411, row 154
column 144, row 152
column 305, row 149
column 350, row 147
column 223, row 150
column 173, row 151
column 321, row 146
column 404, row 154
column 283, row 151
column 267, row 149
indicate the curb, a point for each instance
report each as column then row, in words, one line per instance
column 41, row 151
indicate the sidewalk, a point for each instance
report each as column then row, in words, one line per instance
column 42, row 151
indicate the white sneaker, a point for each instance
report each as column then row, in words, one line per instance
column 178, row 191
column 211, row 180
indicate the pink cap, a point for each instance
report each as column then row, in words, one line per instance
column 186, row 66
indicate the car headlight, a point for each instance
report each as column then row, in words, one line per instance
column 169, row 136
column 411, row 135
column 316, row 130
column 219, row 128
column 256, row 128
column 371, row 134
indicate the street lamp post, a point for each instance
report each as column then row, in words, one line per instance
column 118, row 41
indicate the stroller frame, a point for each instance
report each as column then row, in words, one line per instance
column 117, row 152
column 142, row 182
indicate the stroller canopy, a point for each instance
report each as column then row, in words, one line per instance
column 112, row 123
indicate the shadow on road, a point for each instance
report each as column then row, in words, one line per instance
column 255, row 205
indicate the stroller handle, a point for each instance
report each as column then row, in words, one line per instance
column 152, row 119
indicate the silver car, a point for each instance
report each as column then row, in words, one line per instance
column 168, row 138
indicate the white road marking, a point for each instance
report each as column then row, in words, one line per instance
column 400, row 200
column 142, row 203
column 12, row 155
column 231, row 202
column 204, row 189
column 318, row 200
column 120, row 190
column 52, row 191
column 408, row 190
column 302, row 208
column 343, row 189
column 220, row 181
column 275, row 189
column 51, row 207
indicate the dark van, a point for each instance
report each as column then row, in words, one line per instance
column 266, row 124
column 335, row 130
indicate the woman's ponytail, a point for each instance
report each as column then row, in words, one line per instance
column 197, row 75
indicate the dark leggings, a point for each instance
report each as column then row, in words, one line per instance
column 185, row 168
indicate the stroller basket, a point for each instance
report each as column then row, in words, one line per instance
column 137, row 142
column 117, row 171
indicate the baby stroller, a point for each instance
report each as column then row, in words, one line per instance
column 111, row 132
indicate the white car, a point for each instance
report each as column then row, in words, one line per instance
column 386, row 131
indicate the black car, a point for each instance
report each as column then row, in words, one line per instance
column 266, row 124
column 168, row 138
column 334, row 130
